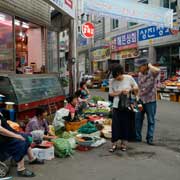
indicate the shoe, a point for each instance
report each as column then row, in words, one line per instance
column 123, row 147
column 138, row 140
column 150, row 143
column 113, row 148
column 25, row 173
column 37, row 161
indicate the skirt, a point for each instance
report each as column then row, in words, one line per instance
column 121, row 125
column 15, row 148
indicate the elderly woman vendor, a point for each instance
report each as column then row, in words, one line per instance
column 16, row 145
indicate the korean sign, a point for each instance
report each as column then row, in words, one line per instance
column 130, row 10
column 100, row 53
column 152, row 32
column 82, row 41
column 125, row 41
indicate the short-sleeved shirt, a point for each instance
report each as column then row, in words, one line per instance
column 35, row 124
column 71, row 108
column 127, row 83
column 147, row 86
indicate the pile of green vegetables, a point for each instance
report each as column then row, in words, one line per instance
column 95, row 99
column 62, row 148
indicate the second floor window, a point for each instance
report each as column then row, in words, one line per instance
column 169, row 4
column 115, row 23
column 143, row 1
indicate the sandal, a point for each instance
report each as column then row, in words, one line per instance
column 25, row 173
column 123, row 147
column 113, row 148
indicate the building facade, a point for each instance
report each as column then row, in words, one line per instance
column 129, row 40
column 160, row 45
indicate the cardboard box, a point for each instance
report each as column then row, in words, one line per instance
column 46, row 154
column 173, row 97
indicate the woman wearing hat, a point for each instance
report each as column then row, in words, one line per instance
column 121, row 84
column 147, row 81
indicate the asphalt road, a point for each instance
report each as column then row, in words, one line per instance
column 140, row 162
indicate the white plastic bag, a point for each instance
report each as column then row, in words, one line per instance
column 37, row 136
column 98, row 142
column 58, row 121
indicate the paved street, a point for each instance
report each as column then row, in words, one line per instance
column 140, row 162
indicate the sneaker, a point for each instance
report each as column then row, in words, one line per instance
column 25, row 173
column 37, row 161
column 138, row 140
column 150, row 143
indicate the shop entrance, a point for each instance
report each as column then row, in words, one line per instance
column 28, row 39
column 129, row 65
column 168, row 56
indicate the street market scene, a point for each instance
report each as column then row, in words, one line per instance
column 89, row 89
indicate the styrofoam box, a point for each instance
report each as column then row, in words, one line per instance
column 46, row 154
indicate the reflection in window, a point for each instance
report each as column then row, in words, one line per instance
column 6, row 43
column 52, row 51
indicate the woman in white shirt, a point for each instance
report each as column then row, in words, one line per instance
column 121, row 84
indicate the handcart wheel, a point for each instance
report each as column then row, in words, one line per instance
column 3, row 170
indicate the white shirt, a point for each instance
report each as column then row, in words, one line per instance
column 128, row 82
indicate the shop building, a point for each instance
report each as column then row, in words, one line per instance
column 23, row 32
column 31, row 56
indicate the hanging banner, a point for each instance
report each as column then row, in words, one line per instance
column 133, row 11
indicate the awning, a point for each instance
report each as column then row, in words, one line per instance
column 132, row 11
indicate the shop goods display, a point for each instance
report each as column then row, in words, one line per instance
column 95, row 99
column 70, row 137
column 88, row 128
column 62, row 148
column 85, row 141
column 73, row 126
column 97, row 111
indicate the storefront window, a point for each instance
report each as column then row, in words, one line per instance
column 169, row 57
column 6, row 43
column 53, row 52
column 29, row 46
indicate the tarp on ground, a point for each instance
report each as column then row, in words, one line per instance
column 132, row 11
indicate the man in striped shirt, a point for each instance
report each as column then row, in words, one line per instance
column 147, row 81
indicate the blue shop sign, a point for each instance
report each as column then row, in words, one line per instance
column 152, row 32
column 82, row 41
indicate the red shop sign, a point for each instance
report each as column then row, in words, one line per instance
column 88, row 30
column 69, row 3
